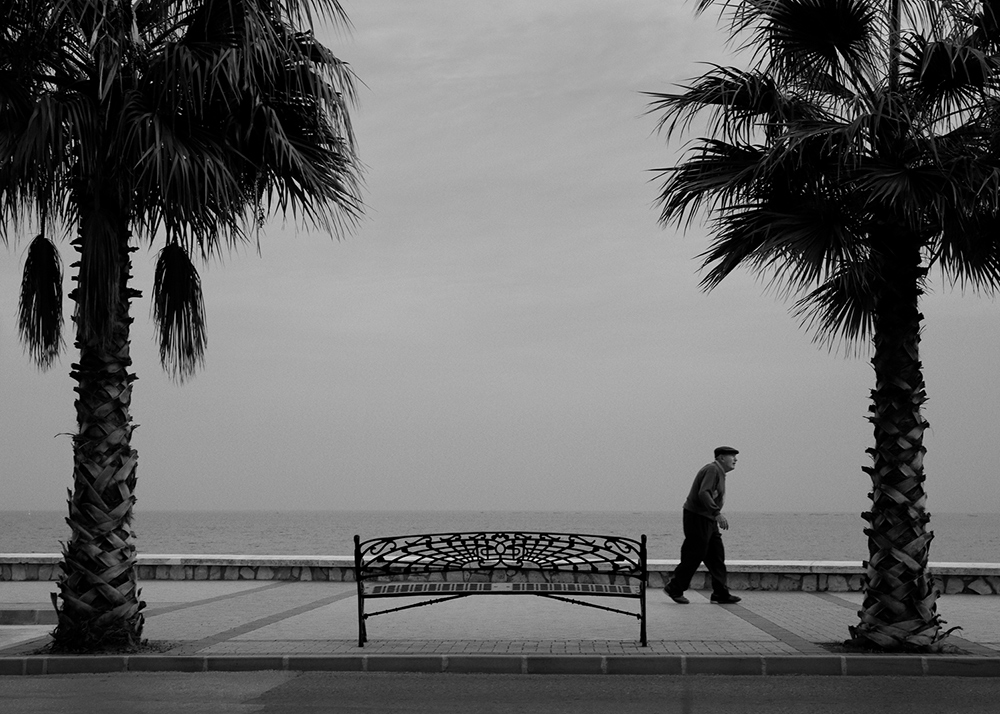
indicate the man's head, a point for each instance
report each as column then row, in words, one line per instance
column 726, row 457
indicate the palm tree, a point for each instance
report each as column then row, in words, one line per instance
column 859, row 150
column 180, row 122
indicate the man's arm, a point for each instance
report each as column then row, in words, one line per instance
column 706, row 494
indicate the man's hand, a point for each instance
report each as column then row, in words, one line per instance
column 723, row 523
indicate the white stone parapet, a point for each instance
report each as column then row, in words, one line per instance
column 808, row 575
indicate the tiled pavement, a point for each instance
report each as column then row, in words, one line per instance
column 287, row 624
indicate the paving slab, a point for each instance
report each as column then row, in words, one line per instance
column 16, row 634
column 208, row 625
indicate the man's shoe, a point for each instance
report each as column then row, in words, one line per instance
column 725, row 599
column 676, row 597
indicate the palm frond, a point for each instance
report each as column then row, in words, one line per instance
column 184, row 179
column 842, row 308
column 740, row 239
column 986, row 23
column 716, row 174
column 807, row 40
column 41, row 145
column 309, row 12
column 253, row 121
column 179, row 312
column 798, row 241
column 40, row 308
column 738, row 102
column 969, row 251
column 918, row 192
column 948, row 72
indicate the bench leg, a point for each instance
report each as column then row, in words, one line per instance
column 642, row 617
column 362, row 630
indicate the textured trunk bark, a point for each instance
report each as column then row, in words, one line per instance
column 98, row 587
column 899, row 610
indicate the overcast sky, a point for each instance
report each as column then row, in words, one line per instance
column 508, row 327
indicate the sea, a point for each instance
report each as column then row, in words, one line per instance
column 969, row 538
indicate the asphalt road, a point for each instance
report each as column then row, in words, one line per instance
column 293, row 693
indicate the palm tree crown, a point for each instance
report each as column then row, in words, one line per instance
column 184, row 122
column 859, row 151
column 194, row 119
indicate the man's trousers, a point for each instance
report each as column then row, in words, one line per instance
column 702, row 544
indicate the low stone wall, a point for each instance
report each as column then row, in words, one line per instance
column 818, row 576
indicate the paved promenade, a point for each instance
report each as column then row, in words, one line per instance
column 226, row 625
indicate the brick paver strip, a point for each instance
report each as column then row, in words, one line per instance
column 775, row 630
column 192, row 647
column 47, row 616
column 153, row 611
column 28, row 646
column 24, row 646
column 28, row 617
column 836, row 600
column 967, row 645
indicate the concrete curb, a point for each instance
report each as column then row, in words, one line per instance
column 828, row 665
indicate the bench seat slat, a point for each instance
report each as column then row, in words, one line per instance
column 405, row 589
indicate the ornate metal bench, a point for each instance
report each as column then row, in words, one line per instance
column 446, row 566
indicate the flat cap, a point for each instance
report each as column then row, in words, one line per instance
column 719, row 451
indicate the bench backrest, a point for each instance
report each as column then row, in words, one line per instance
column 503, row 550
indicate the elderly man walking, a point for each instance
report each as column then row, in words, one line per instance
column 703, row 520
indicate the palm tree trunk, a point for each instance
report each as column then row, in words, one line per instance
column 98, row 586
column 899, row 610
